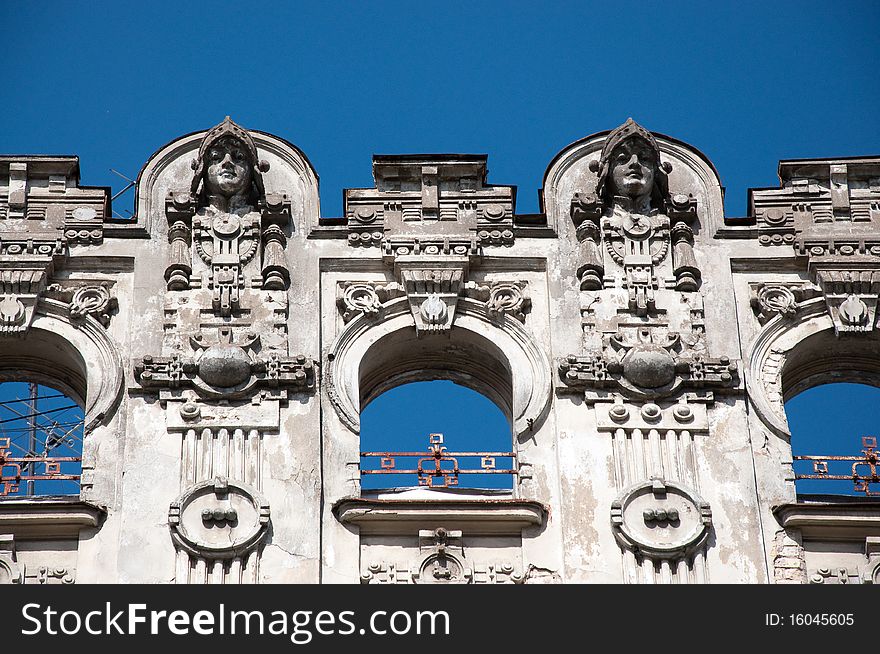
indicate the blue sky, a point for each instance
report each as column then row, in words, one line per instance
column 748, row 83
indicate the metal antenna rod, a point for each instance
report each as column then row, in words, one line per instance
column 32, row 433
column 130, row 184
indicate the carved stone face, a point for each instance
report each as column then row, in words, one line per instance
column 632, row 169
column 228, row 171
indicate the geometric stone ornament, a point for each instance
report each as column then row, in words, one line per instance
column 441, row 566
column 652, row 364
column 11, row 572
column 432, row 285
column 441, row 560
column 219, row 519
column 851, row 297
column 447, row 193
column 692, row 417
column 224, row 369
column 663, row 520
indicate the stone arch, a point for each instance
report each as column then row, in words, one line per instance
column 794, row 353
column 497, row 358
column 80, row 360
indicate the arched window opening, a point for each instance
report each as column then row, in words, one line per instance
column 41, row 438
column 834, row 435
column 435, row 434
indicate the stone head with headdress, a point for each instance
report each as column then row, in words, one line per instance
column 629, row 166
column 228, row 166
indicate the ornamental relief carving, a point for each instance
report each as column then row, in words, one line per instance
column 225, row 228
column 441, row 560
column 642, row 312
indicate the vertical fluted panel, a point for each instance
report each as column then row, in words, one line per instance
column 647, row 571
column 249, row 574
column 252, row 459
column 700, row 572
column 234, row 574
column 236, row 462
column 630, row 567
column 200, row 572
column 181, row 575
column 205, row 455
column 217, row 573
column 683, row 572
column 654, row 460
column 665, row 572
column 618, row 443
column 638, row 441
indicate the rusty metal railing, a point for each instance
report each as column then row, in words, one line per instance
column 17, row 469
column 40, row 441
column 437, row 467
column 862, row 471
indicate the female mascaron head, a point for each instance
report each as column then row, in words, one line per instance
column 629, row 167
column 227, row 171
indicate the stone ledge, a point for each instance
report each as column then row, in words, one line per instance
column 844, row 520
column 474, row 517
column 33, row 518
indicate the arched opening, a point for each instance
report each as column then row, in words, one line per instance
column 41, row 440
column 831, row 430
column 420, row 417
column 830, row 388
column 438, row 407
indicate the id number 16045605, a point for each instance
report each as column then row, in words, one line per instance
column 809, row 619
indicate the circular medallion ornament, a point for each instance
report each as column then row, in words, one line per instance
column 84, row 213
column 775, row 216
column 226, row 224
column 442, row 568
column 637, row 227
column 219, row 519
column 664, row 519
column 494, row 212
column 365, row 215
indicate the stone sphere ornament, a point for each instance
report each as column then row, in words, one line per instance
column 649, row 366
column 225, row 365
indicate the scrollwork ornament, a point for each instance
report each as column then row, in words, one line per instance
column 94, row 301
column 776, row 300
column 359, row 298
column 508, row 298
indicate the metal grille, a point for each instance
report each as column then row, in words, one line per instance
column 41, row 433
column 861, row 470
column 437, row 467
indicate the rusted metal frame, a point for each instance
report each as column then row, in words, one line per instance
column 861, row 482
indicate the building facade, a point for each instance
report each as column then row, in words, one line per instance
column 223, row 342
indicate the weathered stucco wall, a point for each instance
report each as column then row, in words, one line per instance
column 224, row 341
